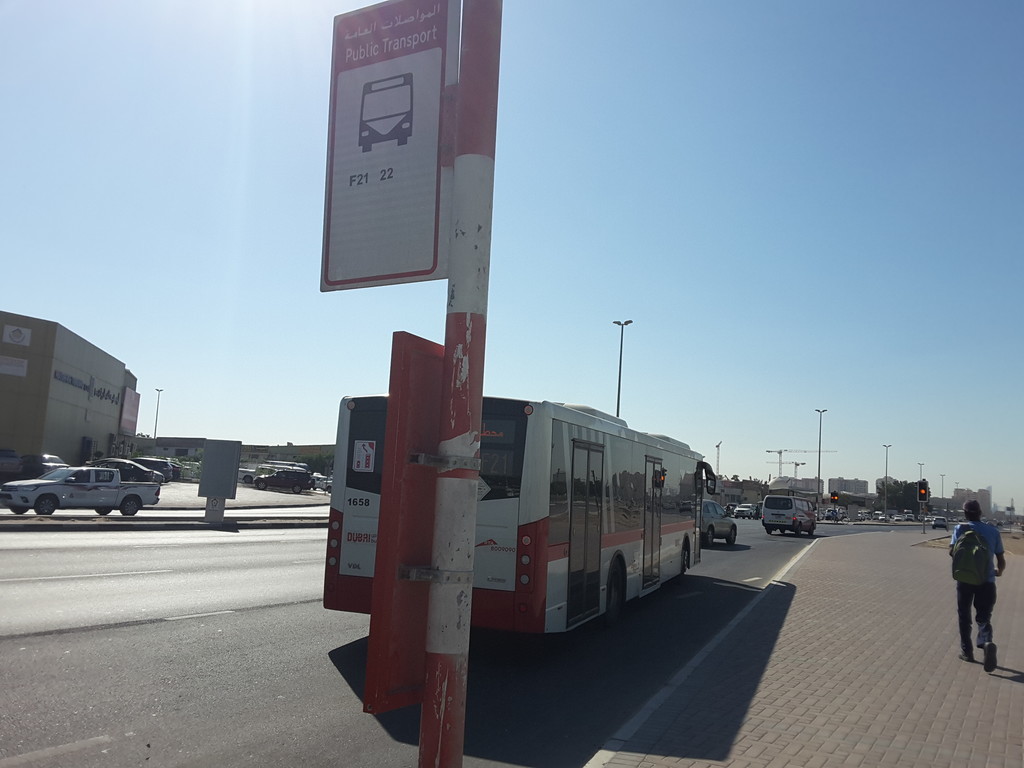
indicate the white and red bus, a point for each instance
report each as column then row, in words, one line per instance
column 577, row 513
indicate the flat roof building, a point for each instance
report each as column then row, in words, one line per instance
column 61, row 394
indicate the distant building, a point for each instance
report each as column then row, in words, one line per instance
column 60, row 394
column 807, row 485
column 983, row 496
column 741, row 491
column 842, row 485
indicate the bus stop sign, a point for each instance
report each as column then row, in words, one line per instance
column 385, row 194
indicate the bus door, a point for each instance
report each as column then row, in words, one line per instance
column 704, row 483
column 585, row 495
column 652, row 521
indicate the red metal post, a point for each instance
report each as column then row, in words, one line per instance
column 443, row 716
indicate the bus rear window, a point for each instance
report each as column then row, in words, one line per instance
column 501, row 457
column 366, row 445
column 777, row 502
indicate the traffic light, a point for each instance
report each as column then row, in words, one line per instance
column 922, row 491
column 834, row 497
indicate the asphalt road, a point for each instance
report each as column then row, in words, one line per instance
column 205, row 648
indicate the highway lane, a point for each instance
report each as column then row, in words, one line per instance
column 276, row 680
column 57, row 581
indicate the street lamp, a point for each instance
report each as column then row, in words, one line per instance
column 622, row 332
column 156, row 419
column 885, row 482
column 820, row 411
column 942, row 491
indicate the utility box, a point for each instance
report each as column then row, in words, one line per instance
column 219, row 480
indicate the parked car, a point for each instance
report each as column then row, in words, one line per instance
column 131, row 472
column 940, row 522
column 33, row 464
column 716, row 524
column 295, row 479
column 322, row 483
column 10, row 462
column 163, row 466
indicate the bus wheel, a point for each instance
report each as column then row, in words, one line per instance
column 615, row 594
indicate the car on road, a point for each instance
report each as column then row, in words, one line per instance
column 940, row 522
column 37, row 464
column 131, row 471
column 716, row 524
column 788, row 513
column 296, row 480
column 745, row 512
column 99, row 488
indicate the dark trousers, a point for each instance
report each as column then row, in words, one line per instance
column 983, row 598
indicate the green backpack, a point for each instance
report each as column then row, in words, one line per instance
column 971, row 558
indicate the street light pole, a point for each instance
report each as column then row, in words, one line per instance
column 622, row 333
column 156, row 419
column 821, row 412
column 942, row 492
column 885, row 483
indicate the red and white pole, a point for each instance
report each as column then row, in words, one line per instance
column 443, row 715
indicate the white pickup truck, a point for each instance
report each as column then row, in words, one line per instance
column 78, row 488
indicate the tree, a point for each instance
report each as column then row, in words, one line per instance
column 902, row 494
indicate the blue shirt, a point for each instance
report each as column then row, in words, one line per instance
column 993, row 538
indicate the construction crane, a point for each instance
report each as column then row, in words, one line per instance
column 781, row 451
column 795, row 464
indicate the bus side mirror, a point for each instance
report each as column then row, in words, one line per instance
column 710, row 481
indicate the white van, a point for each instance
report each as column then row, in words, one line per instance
column 788, row 513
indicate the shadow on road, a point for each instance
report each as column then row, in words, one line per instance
column 554, row 700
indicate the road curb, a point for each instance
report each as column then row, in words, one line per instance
column 159, row 525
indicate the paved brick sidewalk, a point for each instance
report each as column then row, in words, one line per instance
column 849, row 660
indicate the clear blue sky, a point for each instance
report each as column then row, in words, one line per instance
column 799, row 205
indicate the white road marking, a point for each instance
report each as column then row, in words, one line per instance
column 45, row 754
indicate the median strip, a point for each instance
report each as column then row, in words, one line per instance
column 84, row 576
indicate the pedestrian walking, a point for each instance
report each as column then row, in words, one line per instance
column 972, row 547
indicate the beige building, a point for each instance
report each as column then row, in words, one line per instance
column 983, row 495
column 60, row 394
column 852, row 486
